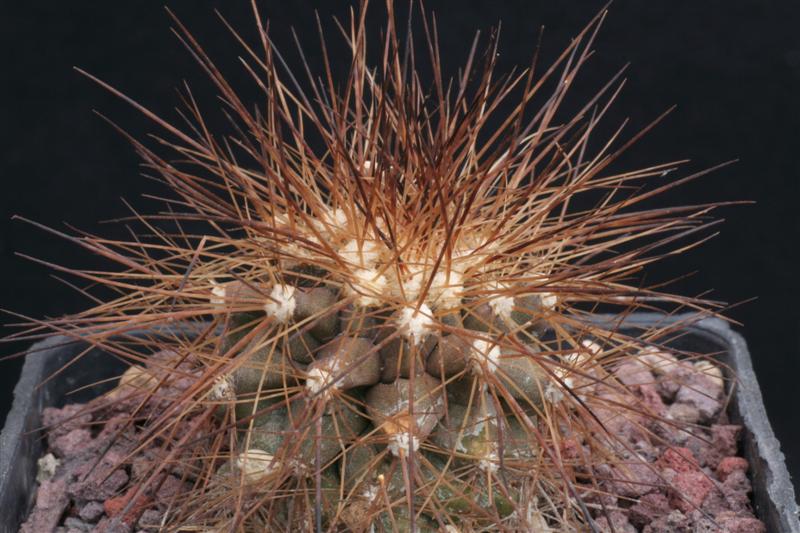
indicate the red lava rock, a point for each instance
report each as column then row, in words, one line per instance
column 651, row 400
column 674, row 522
column 107, row 525
column 117, row 429
column 683, row 412
column 76, row 524
column 635, row 478
column 729, row 465
column 115, row 506
column 737, row 481
column 74, row 443
column 679, row 460
column 667, row 388
column 700, row 444
column 736, row 492
column 668, row 474
column 648, row 508
column 91, row 512
column 51, row 500
column 634, row 373
column 97, row 486
column 170, row 489
column 670, row 375
column 714, row 504
column 600, row 498
column 570, row 449
column 624, row 424
column 61, row 421
column 730, row 522
column 689, row 489
column 150, row 519
column 726, row 438
column 702, row 392
column 618, row 520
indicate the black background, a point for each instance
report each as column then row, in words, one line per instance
column 732, row 67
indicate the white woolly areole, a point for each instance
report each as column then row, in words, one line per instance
column 367, row 287
column 409, row 287
column 282, row 303
column 446, row 290
column 578, row 359
column 365, row 254
column 401, row 441
column 317, row 379
column 337, row 217
column 488, row 463
column 574, row 359
column 548, row 300
column 485, row 351
column 370, row 493
column 222, row 389
column 255, row 464
column 502, row 305
column 553, row 392
column 591, row 346
column 217, row 293
column 331, row 223
column 415, row 323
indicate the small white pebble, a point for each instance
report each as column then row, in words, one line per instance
column 659, row 361
column 711, row 371
column 255, row 464
column 222, row 389
column 46, row 467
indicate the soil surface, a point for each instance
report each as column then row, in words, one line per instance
column 692, row 480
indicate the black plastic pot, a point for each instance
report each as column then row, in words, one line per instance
column 21, row 443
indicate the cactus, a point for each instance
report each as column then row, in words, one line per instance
column 394, row 333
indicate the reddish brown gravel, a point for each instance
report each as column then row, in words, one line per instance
column 692, row 481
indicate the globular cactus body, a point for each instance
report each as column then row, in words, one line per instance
column 385, row 384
